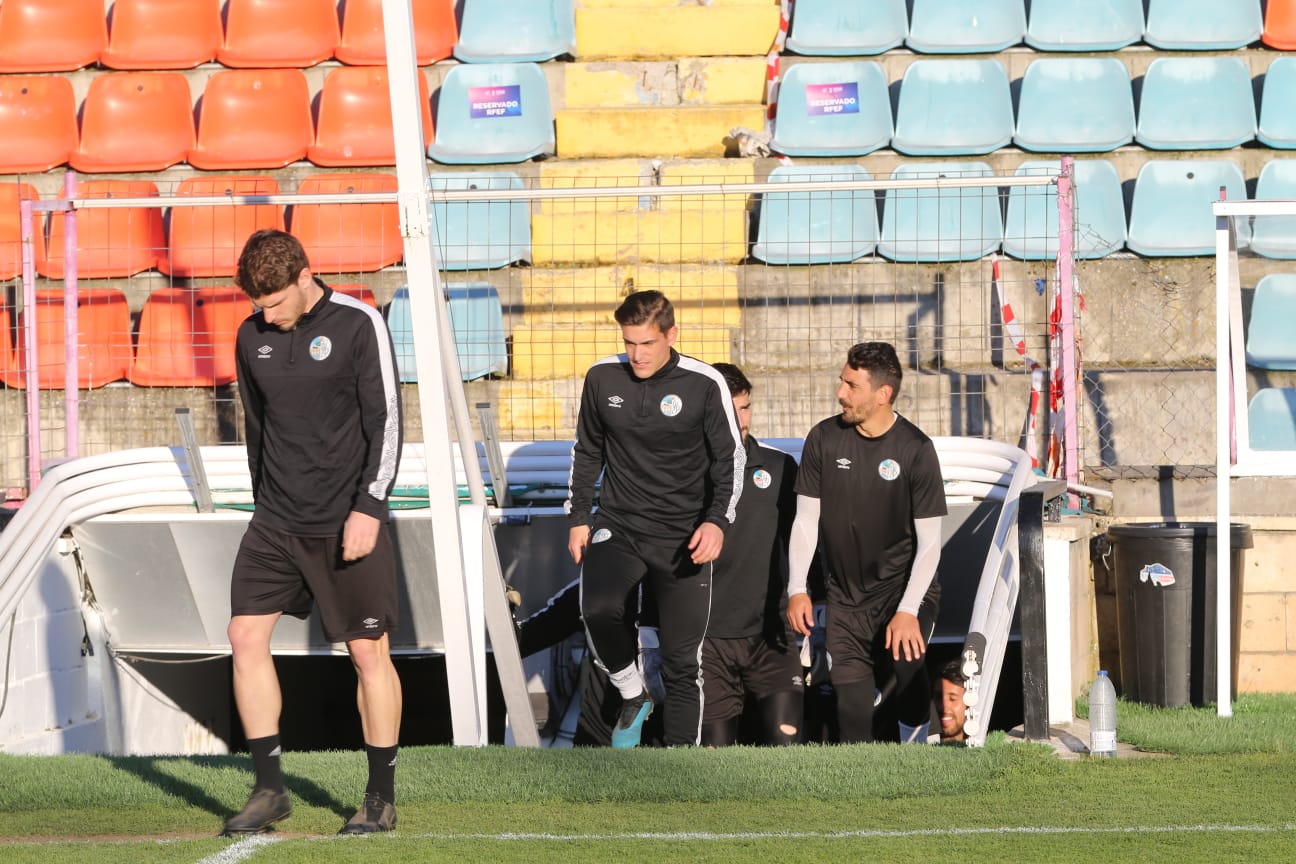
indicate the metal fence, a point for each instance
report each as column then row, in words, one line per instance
column 780, row 276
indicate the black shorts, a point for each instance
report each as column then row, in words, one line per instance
column 856, row 636
column 732, row 668
column 288, row 573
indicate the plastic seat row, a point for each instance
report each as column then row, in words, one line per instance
column 1080, row 105
column 204, row 241
column 185, row 339
column 186, row 336
column 63, row 35
column 1271, row 345
column 863, row 27
column 248, row 119
column 1169, row 214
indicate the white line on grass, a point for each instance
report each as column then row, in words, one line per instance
column 240, row 850
column 865, row 834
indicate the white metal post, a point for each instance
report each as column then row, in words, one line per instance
column 1225, row 249
column 463, row 654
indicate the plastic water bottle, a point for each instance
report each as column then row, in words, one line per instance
column 1102, row 716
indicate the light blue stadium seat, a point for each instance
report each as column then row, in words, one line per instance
column 962, row 27
column 496, row 31
column 1277, row 119
column 953, row 108
column 1170, row 214
column 1272, row 418
column 477, row 321
column 1275, row 236
column 1094, row 25
column 816, row 227
column 490, row 113
column 1030, row 229
column 1271, row 336
column 1202, row 25
column 850, row 28
column 476, row 235
column 832, row 109
column 1075, row 105
column 934, row 224
column 1196, row 103
column 401, row 326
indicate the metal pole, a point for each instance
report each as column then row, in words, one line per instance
column 1225, row 286
column 1067, row 296
column 71, row 330
column 29, row 347
column 462, row 656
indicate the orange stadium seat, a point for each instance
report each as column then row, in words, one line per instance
column 38, row 116
column 219, row 312
column 1280, row 25
column 344, row 238
column 206, row 240
column 253, row 118
column 359, row 292
column 186, row 337
column 110, row 242
column 162, row 34
column 355, row 118
column 278, row 33
column 135, row 121
column 103, row 339
column 11, row 228
column 363, row 38
column 51, row 35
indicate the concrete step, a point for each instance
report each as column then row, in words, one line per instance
column 544, row 351
column 686, row 81
column 704, row 295
column 694, row 130
column 576, row 235
column 646, row 228
column 657, row 29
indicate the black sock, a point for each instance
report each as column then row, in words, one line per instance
column 265, row 761
column 382, row 772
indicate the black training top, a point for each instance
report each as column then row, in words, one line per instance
column 750, row 587
column 323, row 415
column 668, row 447
column 871, row 490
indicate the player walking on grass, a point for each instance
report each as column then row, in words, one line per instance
column 317, row 378
column 659, row 427
column 870, row 485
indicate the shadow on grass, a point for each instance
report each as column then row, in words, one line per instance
column 152, row 770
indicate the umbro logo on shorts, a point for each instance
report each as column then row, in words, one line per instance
column 370, row 623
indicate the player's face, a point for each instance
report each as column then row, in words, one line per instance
column 860, row 401
column 284, row 308
column 743, row 412
column 647, row 347
column 952, row 711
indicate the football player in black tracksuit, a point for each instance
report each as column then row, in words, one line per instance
column 747, row 648
column 659, row 427
column 870, row 485
column 317, row 379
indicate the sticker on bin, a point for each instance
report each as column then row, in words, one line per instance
column 1158, row 574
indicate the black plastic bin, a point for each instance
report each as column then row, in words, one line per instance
column 1165, row 609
